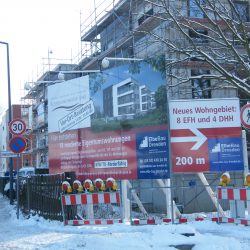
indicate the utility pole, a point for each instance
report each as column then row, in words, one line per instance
column 10, row 118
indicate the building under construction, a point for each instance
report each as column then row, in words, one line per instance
column 138, row 29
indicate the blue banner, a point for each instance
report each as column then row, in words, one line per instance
column 152, row 155
column 225, row 154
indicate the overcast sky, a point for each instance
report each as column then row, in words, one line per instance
column 32, row 28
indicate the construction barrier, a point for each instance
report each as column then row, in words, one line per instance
column 156, row 221
column 91, row 208
column 239, row 204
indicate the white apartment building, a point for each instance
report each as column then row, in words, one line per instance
column 127, row 99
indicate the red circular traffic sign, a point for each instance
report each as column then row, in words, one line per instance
column 245, row 116
column 17, row 144
column 17, row 127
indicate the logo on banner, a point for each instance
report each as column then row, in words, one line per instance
column 144, row 143
column 226, row 148
column 79, row 114
column 216, row 148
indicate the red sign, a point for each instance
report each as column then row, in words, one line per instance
column 106, row 154
column 17, row 127
column 245, row 116
column 17, row 144
column 205, row 135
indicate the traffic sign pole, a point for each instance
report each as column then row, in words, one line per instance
column 17, row 187
column 17, row 145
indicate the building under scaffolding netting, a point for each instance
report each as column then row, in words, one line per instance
column 140, row 29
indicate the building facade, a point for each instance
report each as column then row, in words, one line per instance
column 37, row 95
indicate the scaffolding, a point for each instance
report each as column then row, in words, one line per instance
column 113, row 28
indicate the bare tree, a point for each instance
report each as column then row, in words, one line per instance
column 211, row 33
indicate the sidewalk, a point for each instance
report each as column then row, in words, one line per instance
column 4, row 208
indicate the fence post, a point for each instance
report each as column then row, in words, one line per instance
column 28, row 195
column 125, row 201
column 63, row 211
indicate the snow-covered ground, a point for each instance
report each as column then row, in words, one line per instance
column 37, row 233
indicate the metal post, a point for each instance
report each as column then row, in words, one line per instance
column 245, row 154
column 17, row 187
column 217, row 206
column 125, row 201
column 10, row 118
column 63, row 211
column 169, row 195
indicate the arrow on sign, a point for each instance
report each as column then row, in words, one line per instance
column 199, row 138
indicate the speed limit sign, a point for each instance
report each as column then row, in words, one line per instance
column 17, row 127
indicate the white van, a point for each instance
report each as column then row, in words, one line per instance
column 26, row 171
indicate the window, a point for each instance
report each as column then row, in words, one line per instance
column 243, row 10
column 144, row 98
column 144, row 106
column 201, row 88
column 194, row 10
column 198, row 36
column 27, row 145
column 145, row 16
column 125, row 99
column 130, row 109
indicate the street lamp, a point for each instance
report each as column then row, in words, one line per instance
column 10, row 118
column 106, row 60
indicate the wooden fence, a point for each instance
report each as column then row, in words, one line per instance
column 40, row 194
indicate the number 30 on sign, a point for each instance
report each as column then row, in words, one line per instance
column 17, row 127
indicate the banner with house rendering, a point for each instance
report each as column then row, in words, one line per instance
column 110, row 124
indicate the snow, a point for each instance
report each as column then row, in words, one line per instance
column 38, row 233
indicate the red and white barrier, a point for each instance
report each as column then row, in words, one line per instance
column 87, row 201
column 91, row 198
column 232, row 220
column 239, row 202
column 154, row 221
column 157, row 221
column 228, row 193
column 92, row 222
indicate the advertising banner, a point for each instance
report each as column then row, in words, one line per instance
column 110, row 124
column 206, row 135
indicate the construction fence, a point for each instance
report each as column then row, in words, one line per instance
column 42, row 195
column 39, row 194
